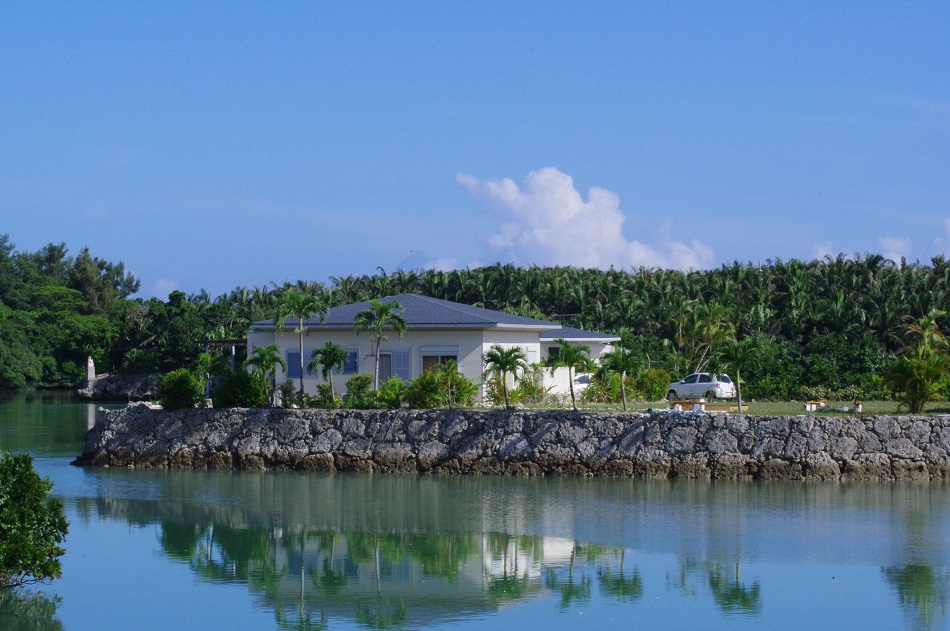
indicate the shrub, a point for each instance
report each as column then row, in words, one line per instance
column 602, row 389
column 530, row 388
column 359, row 392
column 241, row 389
column 32, row 524
column 180, row 390
column 425, row 391
column 289, row 395
column 651, row 384
column 324, row 398
column 391, row 393
column 457, row 391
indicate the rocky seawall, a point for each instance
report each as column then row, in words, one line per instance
column 658, row 444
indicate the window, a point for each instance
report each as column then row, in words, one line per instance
column 401, row 364
column 431, row 361
column 691, row 379
column 704, row 378
column 553, row 352
column 293, row 365
column 433, row 356
column 393, row 364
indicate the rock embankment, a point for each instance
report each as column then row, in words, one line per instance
column 658, row 444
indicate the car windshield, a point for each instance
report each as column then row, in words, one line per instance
column 725, row 379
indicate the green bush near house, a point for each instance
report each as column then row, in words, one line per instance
column 241, row 389
column 651, row 384
column 391, row 393
column 359, row 393
column 180, row 390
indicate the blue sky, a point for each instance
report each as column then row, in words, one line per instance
column 211, row 145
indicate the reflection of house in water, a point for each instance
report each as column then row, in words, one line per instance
column 420, row 579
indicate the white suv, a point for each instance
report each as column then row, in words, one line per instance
column 702, row 384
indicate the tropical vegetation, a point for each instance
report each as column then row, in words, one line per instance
column 829, row 328
column 32, row 524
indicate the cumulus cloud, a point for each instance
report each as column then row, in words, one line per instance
column 550, row 223
column 894, row 249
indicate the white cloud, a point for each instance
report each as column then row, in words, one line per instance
column 552, row 224
column 894, row 249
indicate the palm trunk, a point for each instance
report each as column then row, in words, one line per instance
column 301, row 358
column 739, row 390
column 504, row 389
column 570, row 382
column 623, row 393
column 376, row 376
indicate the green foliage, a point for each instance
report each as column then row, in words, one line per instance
column 289, row 396
column 325, row 398
column 651, row 384
column 457, row 390
column 379, row 317
column 913, row 380
column 328, row 358
column 179, row 390
column 530, row 389
column 915, row 374
column 241, row 389
column 32, row 524
column 390, row 395
column 501, row 362
column 359, row 392
column 603, row 388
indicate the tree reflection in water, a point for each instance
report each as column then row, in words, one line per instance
column 618, row 584
column 27, row 611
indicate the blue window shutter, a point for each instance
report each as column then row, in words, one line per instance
column 349, row 366
column 401, row 364
column 293, row 365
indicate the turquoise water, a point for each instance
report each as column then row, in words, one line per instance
column 202, row 550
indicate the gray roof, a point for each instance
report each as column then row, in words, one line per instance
column 423, row 312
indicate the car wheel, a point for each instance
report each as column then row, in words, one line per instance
column 671, row 395
column 710, row 396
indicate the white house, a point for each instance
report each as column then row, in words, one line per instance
column 437, row 331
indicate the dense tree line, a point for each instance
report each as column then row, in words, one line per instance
column 824, row 327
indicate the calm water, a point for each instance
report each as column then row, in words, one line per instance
column 195, row 550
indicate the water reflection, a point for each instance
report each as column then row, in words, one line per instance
column 28, row 611
column 408, row 551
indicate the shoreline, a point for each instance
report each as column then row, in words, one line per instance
column 659, row 444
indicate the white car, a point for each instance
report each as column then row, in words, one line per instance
column 702, row 385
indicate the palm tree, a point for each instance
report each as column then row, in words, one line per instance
column 265, row 359
column 377, row 317
column 331, row 357
column 501, row 361
column 299, row 305
column 736, row 355
column 622, row 362
column 574, row 357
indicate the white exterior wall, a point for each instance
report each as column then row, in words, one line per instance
column 466, row 345
column 469, row 346
column 559, row 382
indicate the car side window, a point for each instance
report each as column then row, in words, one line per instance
column 705, row 378
column 691, row 379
